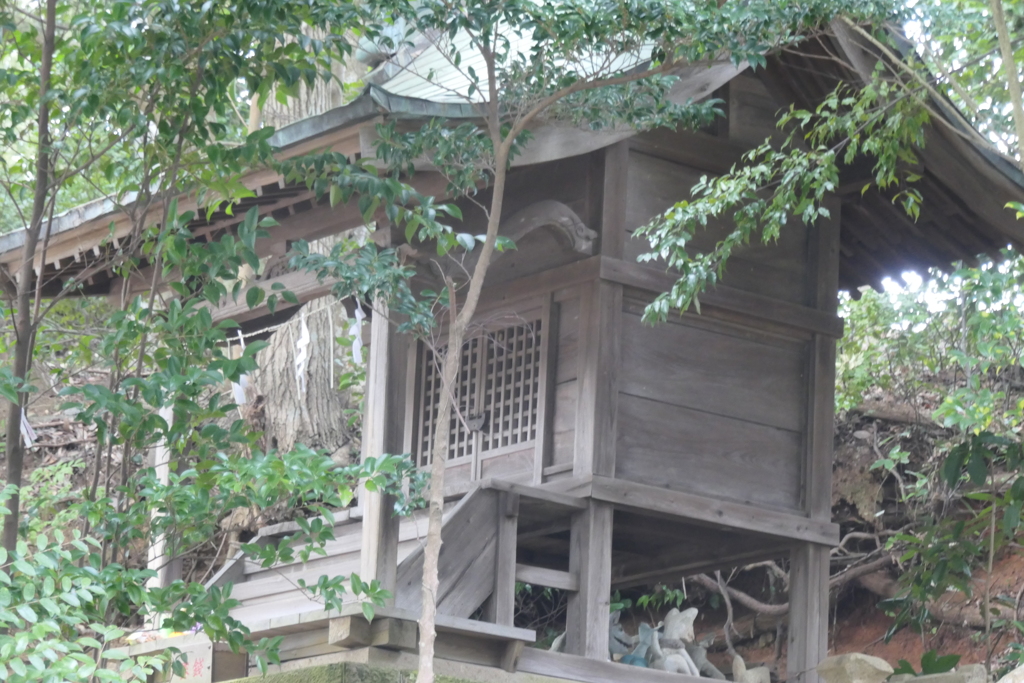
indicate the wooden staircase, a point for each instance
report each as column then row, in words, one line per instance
column 467, row 565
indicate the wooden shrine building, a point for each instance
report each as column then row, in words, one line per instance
column 600, row 453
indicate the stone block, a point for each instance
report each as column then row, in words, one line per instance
column 854, row 668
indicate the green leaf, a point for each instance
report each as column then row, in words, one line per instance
column 254, row 297
column 977, row 468
column 369, row 611
column 27, row 613
column 1011, row 519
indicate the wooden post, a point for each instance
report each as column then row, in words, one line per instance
column 598, row 384
column 501, row 606
column 613, row 205
column 383, row 433
column 808, row 612
column 590, row 558
column 809, row 562
column 168, row 569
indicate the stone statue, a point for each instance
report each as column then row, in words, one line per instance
column 741, row 674
column 699, row 654
column 673, row 661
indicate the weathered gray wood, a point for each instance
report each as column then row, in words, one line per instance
column 613, row 209
column 702, row 509
column 822, row 370
column 460, row 648
column 546, row 399
column 703, row 453
column 590, row 559
column 564, row 423
column 383, row 433
column 510, row 657
column 751, row 112
column 755, row 306
column 232, row 572
column 597, row 406
column 697, row 150
column 394, row 634
column 669, row 567
column 549, row 578
column 542, row 494
column 511, row 294
column 517, row 465
column 228, row 665
column 568, row 340
column 714, row 372
column 349, row 632
column 501, row 606
column 823, row 259
column 808, row 613
column 466, row 563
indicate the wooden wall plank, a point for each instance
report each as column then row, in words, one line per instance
column 776, row 270
column 713, row 372
column 590, row 559
column 699, row 452
column 752, row 112
column 755, row 307
column 568, row 340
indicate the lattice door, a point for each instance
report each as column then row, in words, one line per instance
column 497, row 393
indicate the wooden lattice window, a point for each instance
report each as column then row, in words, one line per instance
column 497, row 393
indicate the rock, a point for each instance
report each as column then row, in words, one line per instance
column 1015, row 676
column 854, row 668
column 975, row 673
column 945, row 677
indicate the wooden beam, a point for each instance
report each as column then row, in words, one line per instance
column 713, row 512
column 555, row 498
column 590, row 559
column 644, row 571
column 808, row 613
column 514, row 291
column 697, row 150
column 549, row 578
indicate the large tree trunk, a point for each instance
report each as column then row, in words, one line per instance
column 317, row 414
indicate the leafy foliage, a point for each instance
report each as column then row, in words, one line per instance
column 951, row 347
